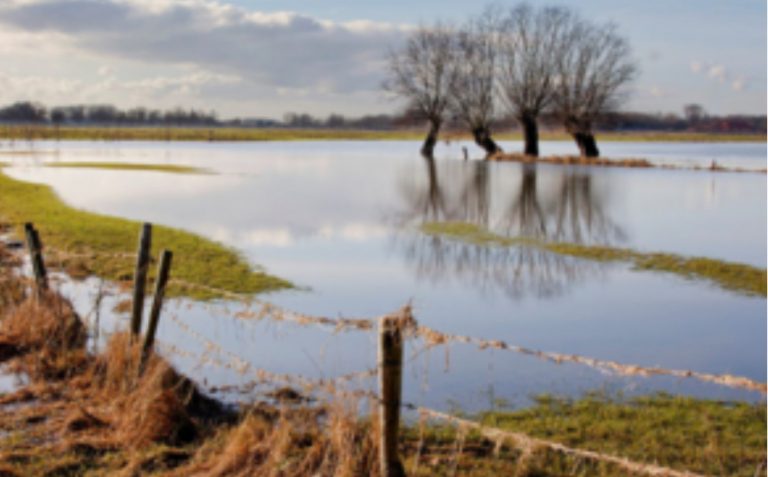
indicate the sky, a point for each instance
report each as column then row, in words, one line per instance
column 265, row 58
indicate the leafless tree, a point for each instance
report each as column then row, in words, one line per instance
column 424, row 73
column 594, row 66
column 527, row 64
column 473, row 92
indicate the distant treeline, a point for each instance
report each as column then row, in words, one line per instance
column 693, row 119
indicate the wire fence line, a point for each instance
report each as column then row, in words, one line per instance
column 434, row 338
column 213, row 353
column 393, row 329
column 524, row 442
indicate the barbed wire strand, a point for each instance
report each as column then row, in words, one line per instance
column 434, row 338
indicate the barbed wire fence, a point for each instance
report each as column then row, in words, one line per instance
column 393, row 330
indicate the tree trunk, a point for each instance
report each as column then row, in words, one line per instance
column 428, row 149
column 590, row 146
column 587, row 144
column 483, row 139
column 582, row 135
column 531, row 135
column 578, row 138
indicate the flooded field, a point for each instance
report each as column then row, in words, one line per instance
column 342, row 221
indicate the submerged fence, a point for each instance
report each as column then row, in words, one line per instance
column 394, row 330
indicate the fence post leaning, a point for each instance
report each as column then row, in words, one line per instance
column 157, row 305
column 36, row 256
column 140, row 278
column 390, row 363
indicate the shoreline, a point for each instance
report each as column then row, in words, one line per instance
column 234, row 134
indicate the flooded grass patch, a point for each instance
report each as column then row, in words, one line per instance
column 170, row 168
column 95, row 244
column 737, row 277
column 706, row 436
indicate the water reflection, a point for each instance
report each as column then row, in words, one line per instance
column 580, row 212
column 568, row 208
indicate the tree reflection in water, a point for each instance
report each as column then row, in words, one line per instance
column 571, row 209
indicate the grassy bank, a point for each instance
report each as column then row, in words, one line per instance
column 105, row 133
column 124, row 166
column 86, row 243
column 736, row 277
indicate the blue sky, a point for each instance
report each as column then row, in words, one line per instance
column 269, row 57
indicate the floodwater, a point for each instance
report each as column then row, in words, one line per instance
column 341, row 220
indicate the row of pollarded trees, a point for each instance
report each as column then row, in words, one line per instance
column 529, row 59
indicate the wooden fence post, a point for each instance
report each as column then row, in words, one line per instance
column 157, row 304
column 140, row 278
column 36, row 257
column 390, row 387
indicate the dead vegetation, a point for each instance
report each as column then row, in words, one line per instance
column 605, row 162
column 82, row 414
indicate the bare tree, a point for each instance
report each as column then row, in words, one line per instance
column 473, row 92
column 527, row 64
column 594, row 66
column 424, row 73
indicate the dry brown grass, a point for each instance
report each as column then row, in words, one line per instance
column 290, row 442
column 80, row 412
column 574, row 160
column 605, row 162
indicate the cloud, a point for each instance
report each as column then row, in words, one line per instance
column 657, row 92
column 696, row 66
column 286, row 49
column 718, row 72
column 184, row 87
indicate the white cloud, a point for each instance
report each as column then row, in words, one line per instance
column 718, row 72
column 738, row 84
column 283, row 48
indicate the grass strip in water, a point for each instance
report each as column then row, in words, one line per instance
column 95, row 243
column 171, row 168
column 736, row 277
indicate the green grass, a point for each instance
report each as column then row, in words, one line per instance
column 106, row 133
column 709, row 437
column 682, row 433
column 736, row 277
column 175, row 169
column 96, row 238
